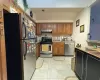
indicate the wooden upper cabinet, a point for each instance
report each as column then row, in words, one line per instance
column 68, row 28
column 57, row 28
column 54, row 29
column 50, row 26
column 43, row 26
column 38, row 29
column 60, row 29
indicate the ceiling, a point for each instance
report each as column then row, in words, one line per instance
column 56, row 14
column 57, row 10
column 59, row 3
column 46, row 10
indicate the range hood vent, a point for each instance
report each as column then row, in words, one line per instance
column 46, row 31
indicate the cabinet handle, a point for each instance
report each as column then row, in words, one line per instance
column 90, row 36
column 93, row 20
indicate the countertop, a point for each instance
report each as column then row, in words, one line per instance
column 95, row 53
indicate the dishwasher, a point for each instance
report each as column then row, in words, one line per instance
column 69, row 48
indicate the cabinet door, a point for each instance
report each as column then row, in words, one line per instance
column 58, row 48
column 95, row 21
column 37, row 50
column 84, row 66
column 55, row 51
column 43, row 26
column 68, row 28
column 60, row 29
column 79, row 63
column 38, row 29
column 61, row 51
column 49, row 26
column 61, row 48
column 55, row 29
column 93, row 68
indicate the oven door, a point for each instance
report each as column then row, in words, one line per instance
column 46, row 48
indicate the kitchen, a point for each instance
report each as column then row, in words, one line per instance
column 56, row 44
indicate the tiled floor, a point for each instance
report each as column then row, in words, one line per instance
column 54, row 70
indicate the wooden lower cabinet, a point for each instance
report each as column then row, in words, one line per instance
column 37, row 50
column 58, row 48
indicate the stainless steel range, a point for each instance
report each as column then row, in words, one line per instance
column 46, row 47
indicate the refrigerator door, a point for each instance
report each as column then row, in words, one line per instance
column 28, row 31
column 29, row 60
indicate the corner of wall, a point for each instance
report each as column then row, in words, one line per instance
column 84, row 17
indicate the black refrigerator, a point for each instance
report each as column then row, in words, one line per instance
column 20, row 47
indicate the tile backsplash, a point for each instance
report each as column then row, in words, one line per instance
column 54, row 38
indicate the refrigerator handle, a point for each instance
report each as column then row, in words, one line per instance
column 25, row 51
column 25, row 29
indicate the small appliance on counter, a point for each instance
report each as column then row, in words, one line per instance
column 46, row 47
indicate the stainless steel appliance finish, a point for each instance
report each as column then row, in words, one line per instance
column 69, row 48
column 46, row 31
column 48, row 42
column 29, row 58
column 29, row 50
column 20, row 48
column 46, row 53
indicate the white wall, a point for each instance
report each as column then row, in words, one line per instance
column 84, row 17
column 28, row 12
column 56, row 16
column 20, row 3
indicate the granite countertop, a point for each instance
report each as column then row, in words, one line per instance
column 95, row 52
